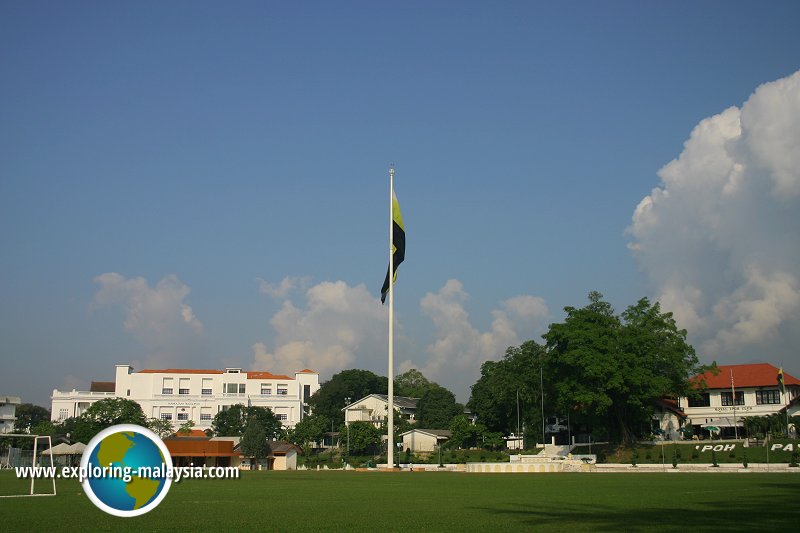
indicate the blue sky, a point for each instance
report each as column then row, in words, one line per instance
column 201, row 184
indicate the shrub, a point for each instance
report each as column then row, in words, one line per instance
column 744, row 458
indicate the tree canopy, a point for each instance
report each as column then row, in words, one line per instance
column 436, row 408
column 412, row 384
column 233, row 422
column 354, row 384
column 516, row 376
column 608, row 370
column 254, row 439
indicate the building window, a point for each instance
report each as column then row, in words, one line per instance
column 168, row 386
column 183, row 416
column 727, row 398
column 306, row 393
column 231, row 388
column 205, row 416
column 206, row 392
column 266, row 390
column 700, row 400
column 764, row 397
column 63, row 414
column 166, row 416
column 282, row 390
column 282, row 417
column 166, row 391
column 241, row 388
column 183, row 391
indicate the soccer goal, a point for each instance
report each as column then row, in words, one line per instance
column 20, row 451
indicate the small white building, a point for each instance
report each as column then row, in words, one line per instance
column 374, row 409
column 180, row 395
column 734, row 392
column 8, row 413
column 425, row 440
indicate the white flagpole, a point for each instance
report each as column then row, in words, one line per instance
column 733, row 393
column 390, row 406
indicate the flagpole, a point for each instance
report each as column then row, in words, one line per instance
column 390, row 406
column 733, row 393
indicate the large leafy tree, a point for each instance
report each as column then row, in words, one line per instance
column 254, row 440
column 608, row 370
column 364, row 438
column 309, row 429
column 354, row 384
column 437, row 407
column 412, row 383
column 28, row 416
column 510, row 388
column 100, row 415
column 233, row 421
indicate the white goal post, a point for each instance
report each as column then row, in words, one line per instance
column 13, row 456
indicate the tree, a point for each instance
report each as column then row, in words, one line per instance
column 254, row 440
column 28, row 416
column 233, row 421
column 364, row 438
column 102, row 414
column 608, row 370
column 465, row 433
column 161, row 427
column 436, row 408
column 310, row 429
column 354, row 384
column 412, row 384
column 510, row 387
column 186, row 427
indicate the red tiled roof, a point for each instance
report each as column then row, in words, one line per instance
column 180, row 371
column 191, row 433
column 756, row 375
column 266, row 375
column 307, row 371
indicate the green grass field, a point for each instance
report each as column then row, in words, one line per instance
column 433, row 501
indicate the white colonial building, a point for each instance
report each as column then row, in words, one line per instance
column 375, row 409
column 8, row 413
column 734, row 392
column 181, row 395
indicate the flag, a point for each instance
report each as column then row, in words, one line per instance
column 780, row 380
column 398, row 245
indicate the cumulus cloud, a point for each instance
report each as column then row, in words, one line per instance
column 283, row 288
column 455, row 357
column 718, row 238
column 336, row 327
column 156, row 316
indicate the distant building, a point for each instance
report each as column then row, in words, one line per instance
column 8, row 413
column 180, row 395
column 425, row 440
column 734, row 392
column 374, row 409
column 200, row 450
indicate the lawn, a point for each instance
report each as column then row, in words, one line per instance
column 433, row 501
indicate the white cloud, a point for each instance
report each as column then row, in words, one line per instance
column 284, row 287
column 459, row 350
column 156, row 316
column 719, row 237
column 338, row 327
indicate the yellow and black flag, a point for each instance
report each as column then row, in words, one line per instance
column 780, row 380
column 398, row 245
